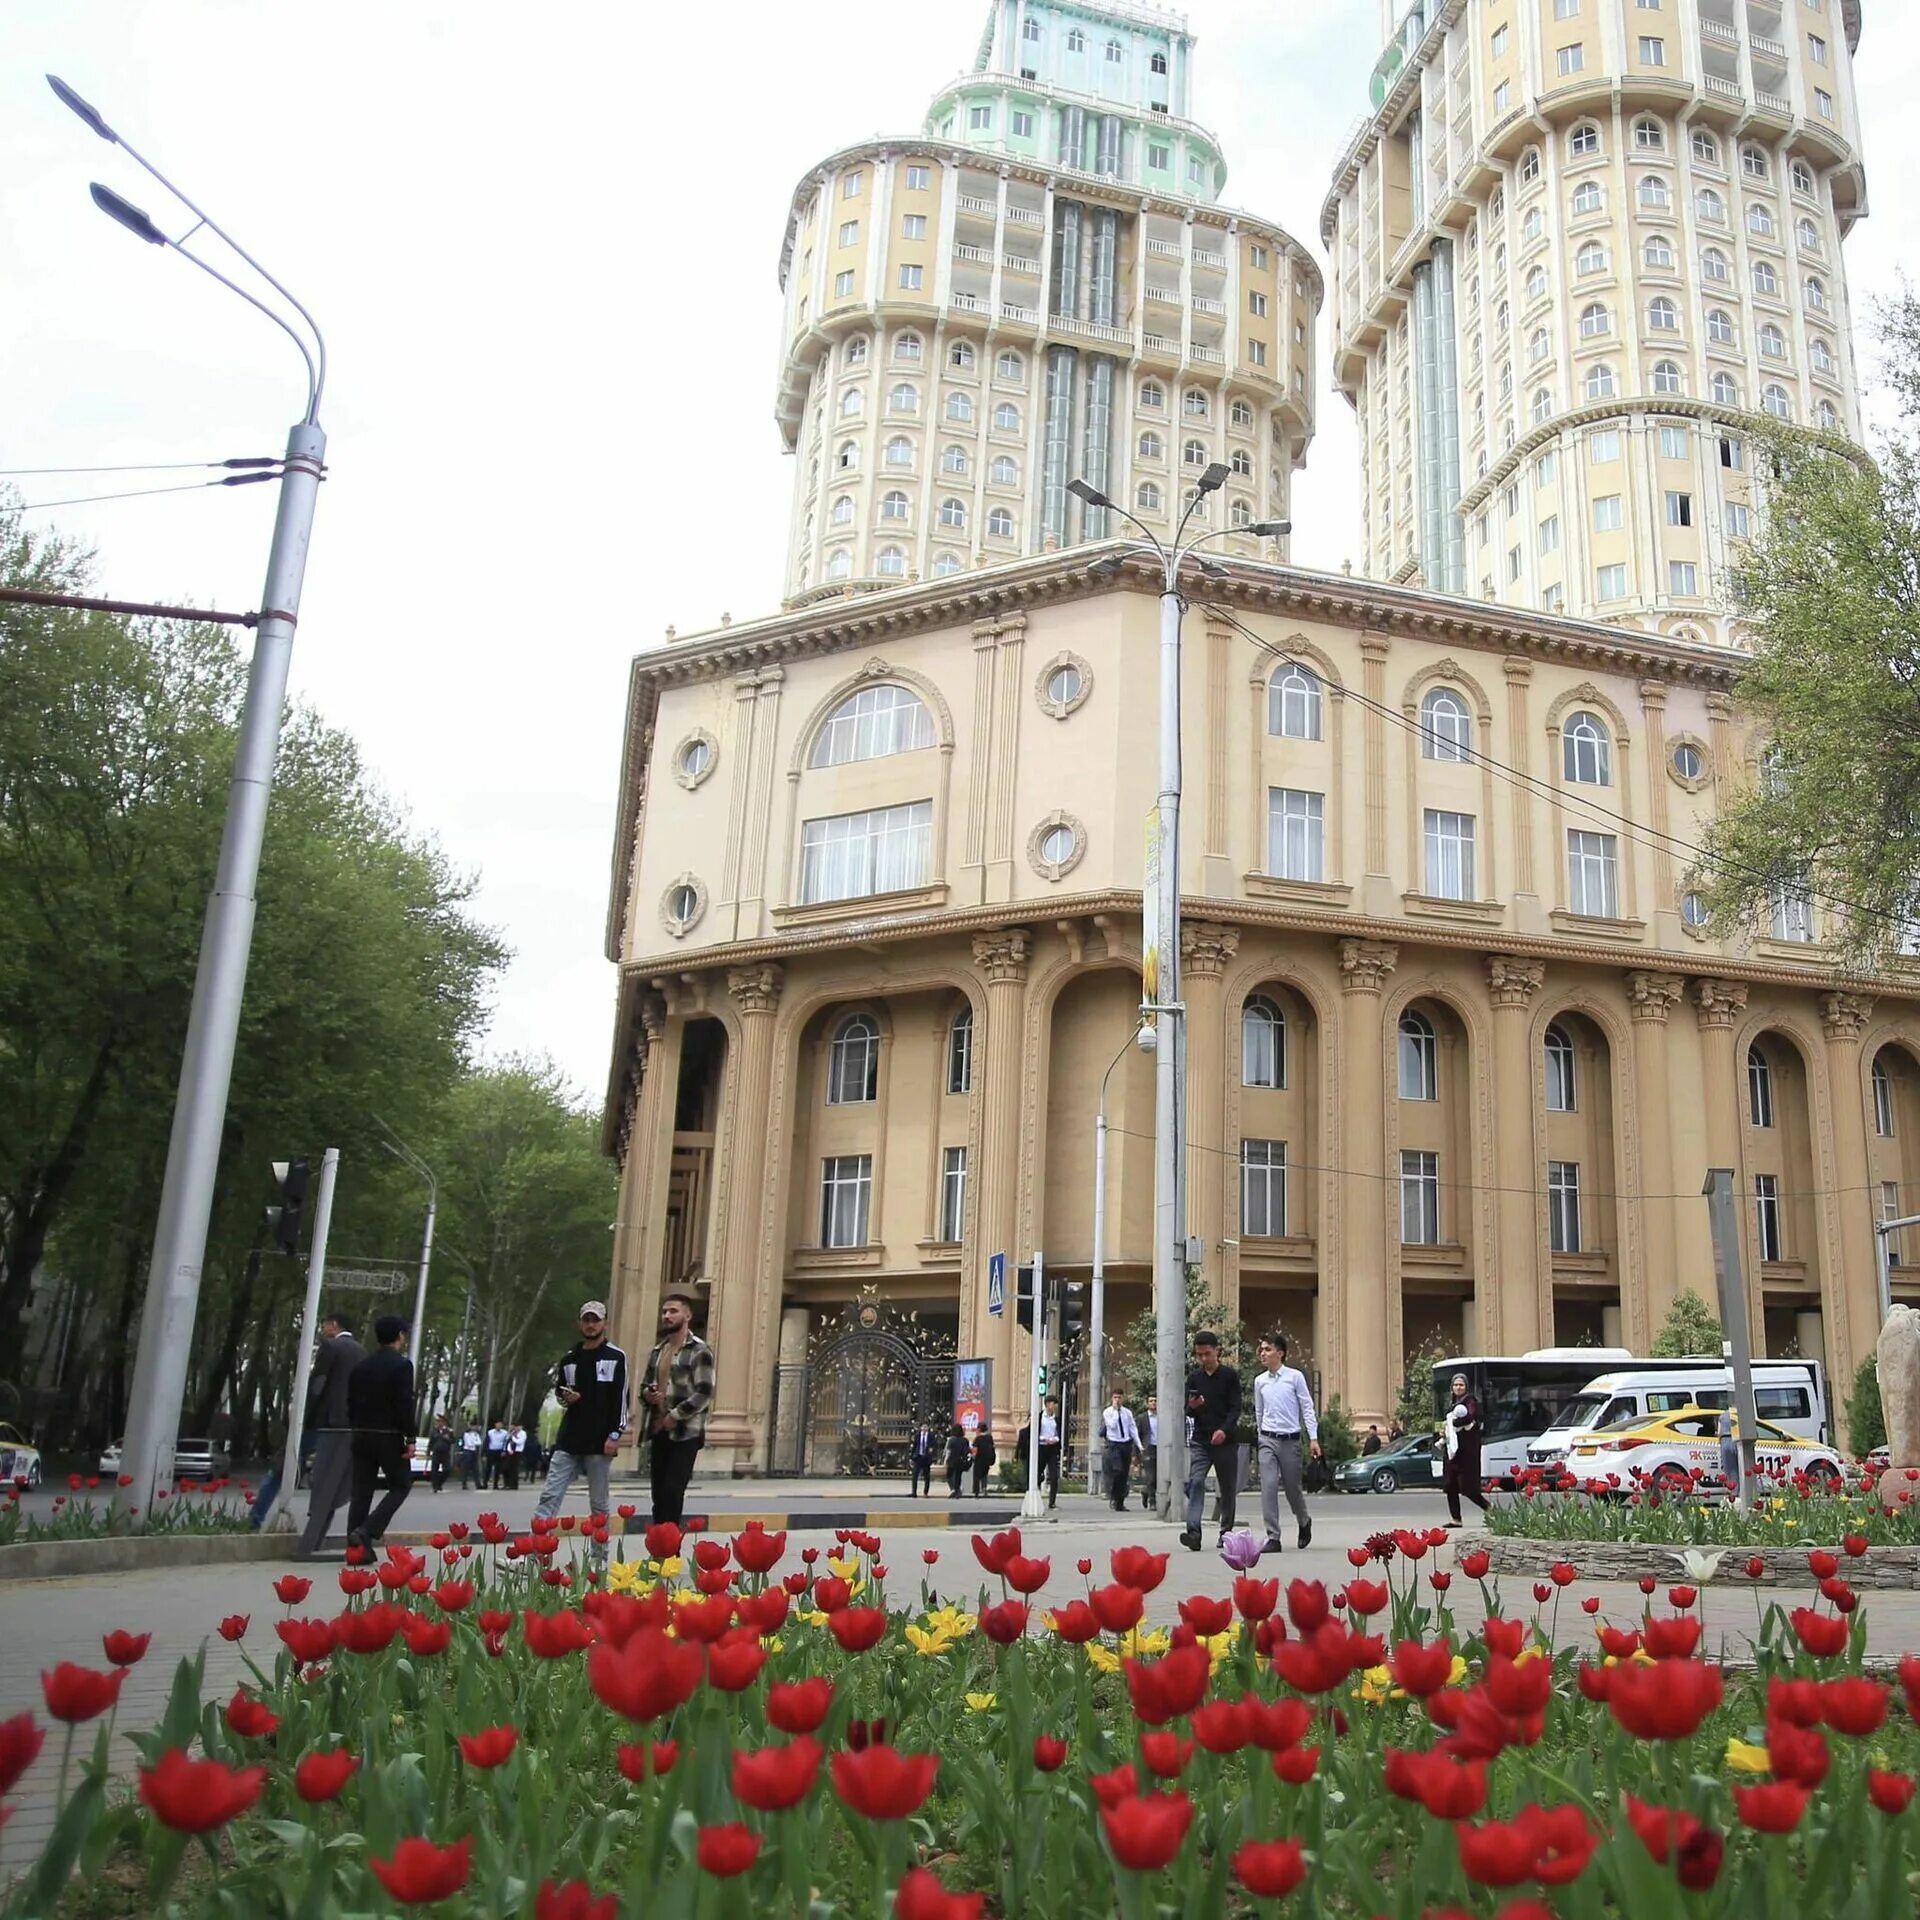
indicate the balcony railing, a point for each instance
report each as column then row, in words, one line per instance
column 1167, row 296
column 1773, row 102
column 1724, row 89
column 1216, row 261
column 984, row 255
column 1720, row 31
column 1159, row 343
column 1765, row 43
column 1217, row 307
column 974, row 203
column 1027, row 316
column 1167, row 249
column 1019, row 263
column 1089, row 329
column 1025, row 216
column 966, row 302
column 1206, row 356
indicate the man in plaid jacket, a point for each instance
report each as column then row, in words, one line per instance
column 678, row 1392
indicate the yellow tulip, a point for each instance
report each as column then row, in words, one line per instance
column 924, row 1643
column 1743, row 1758
column 980, row 1702
column 1102, row 1657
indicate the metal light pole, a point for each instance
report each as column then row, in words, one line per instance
column 401, row 1151
column 1161, row 982
column 206, row 1066
column 309, row 1325
column 1146, row 1040
column 1882, row 1268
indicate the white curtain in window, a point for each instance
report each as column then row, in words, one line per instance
column 850, row 855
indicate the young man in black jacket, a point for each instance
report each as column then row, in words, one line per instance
column 590, row 1382
column 380, row 1411
column 1213, row 1424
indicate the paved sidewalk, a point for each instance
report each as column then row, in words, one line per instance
column 52, row 1620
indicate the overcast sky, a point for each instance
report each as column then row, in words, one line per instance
column 543, row 244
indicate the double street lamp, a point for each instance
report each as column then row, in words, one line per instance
column 1160, row 962
column 206, row 1067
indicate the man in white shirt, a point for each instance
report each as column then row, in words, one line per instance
column 470, row 1444
column 1151, row 1453
column 1283, row 1415
column 1050, row 1448
column 1122, row 1435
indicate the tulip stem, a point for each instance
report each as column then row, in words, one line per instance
column 66, row 1754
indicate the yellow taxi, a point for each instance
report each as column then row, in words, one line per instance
column 19, row 1457
column 1679, row 1451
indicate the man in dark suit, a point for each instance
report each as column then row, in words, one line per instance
column 380, row 1410
column 327, row 1427
column 921, row 1461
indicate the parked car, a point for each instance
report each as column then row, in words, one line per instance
column 417, row 1458
column 193, row 1459
column 1664, row 1452
column 19, row 1457
column 1789, row 1393
column 1416, row 1461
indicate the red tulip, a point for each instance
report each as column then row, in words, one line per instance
column 76, row 1693
column 1358, row 1557
column 1296, row 1765
column 234, row 1626
column 637, row 1762
column 1519, row 1687
column 1076, row 1623
column 1890, row 1792
column 647, row 1678
column 1824, row 1635
column 1004, row 1623
column 1109, row 1789
column 1475, row 1564
column 757, row 1550
column 1168, row 1687
column 775, row 1778
column 1422, row 1669
column 1619, row 1643
column 1665, row 1701
column 1695, row 1849
column 20, row 1744
column 1756, row 1568
column 1542, row 1591
column 1137, row 1568
column 922, row 1897
column 1275, row 1725
column 552, row 1636
column 1855, row 1544
column 1803, row 1702
column 1049, row 1752
column 1255, row 1599
column 1269, row 1869
column 291, row 1588
column 574, row 1901
column 370, row 1631
column 450, row 1596
column 1672, row 1639
column 1591, row 1604
column 420, row 1873
column 320, row 1776
column 705, row 1619
column 309, row 1641
column 492, row 1748
column 1145, row 1831
column 1506, row 1637
column 799, row 1706
column 858, row 1628
column 494, row 1620
column 727, row 1851
column 1207, row 1616
column 1562, row 1573
column 1165, row 1753
column 663, row 1540
column 1855, row 1706
column 1822, row 1564
column 250, row 1719
column 1026, row 1576
column 125, row 1649
column 994, row 1554
column 425, row 1638
column 195, row 1796
column 1367, row 1597
column 1447, row 1789
column 1551, row 1846
column 882, row 1783
column 1682, row 1597
column 1222, row 1726
column 1797, row 1753
column 1774, row 1807
column 1118, row 1608
column 1307, row 1604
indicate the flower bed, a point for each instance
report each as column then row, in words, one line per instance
column 730, row 1728
column 1896, row 1568
column 194, row 1506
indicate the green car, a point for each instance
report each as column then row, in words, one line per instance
column 1416, row 1461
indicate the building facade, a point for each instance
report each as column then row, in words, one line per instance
column 1040, row 286
column 1460, row 1043
column 1580, row 248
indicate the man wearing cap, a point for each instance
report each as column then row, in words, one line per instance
column 590, row 1382
column 678, row 1392
column 380, row 1410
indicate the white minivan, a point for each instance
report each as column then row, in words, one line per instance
column 1791, row 1394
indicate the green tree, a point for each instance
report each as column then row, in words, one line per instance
column 1866, row 1422
column 1135, row 1355
column 1690, row 1327
column 1338, row 1441
column 1830, row 594
column 1414, row 1408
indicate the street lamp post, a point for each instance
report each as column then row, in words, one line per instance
column 1883, row 1230
column 206, row 1066
column 1161, row 966
column 401, row 1151
column 1146, row 1040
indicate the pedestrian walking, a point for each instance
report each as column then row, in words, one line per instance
column 1121, row 1434
column 331, row 1481
column 516, row 1451
column 1150, row 1459
column 496, row 1453
column 1213, row 1421
column 590, row 1382
column 1050, row 1448
column 920, row 1461
column 1464, row 1429
column 958, row 1449
column 440, row 1452
column 380, row 1408
column 678, row 1392
column 983, row 1459
column 1284, row 1421
column 470, row 1445
column 1372, row 1443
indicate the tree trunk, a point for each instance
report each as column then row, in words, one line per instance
column 227, row 1345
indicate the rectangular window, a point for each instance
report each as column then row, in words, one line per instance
column 960, row 1055
column 1679, row 509
column 1022, row 125
column 1566, row 9
column 911, row 279
column 1256, row 353
column 1513, row 501
column 1766, row 1215
column 1257, row 305
column 1549, row 540
column 1503, row 96
column 1263, row 1189
column 1563, row 1206
column 919, row 179
column 1653, row 52
column 913, row 226
column 1739, row 520
column 1571, row 60
column 1257, row 259
column 1513, row 564
column 1553, row 598
column 1602, row 447
column 1483, row 529
column 1498, row 46
column 953, row 1193
column 1882, row 1103
column 1196, row 168
column 1733, row 453
column 846, row 1194
column 843, row 284
column 1546, row 469
column 851, row 185
column 1593, row 874
column 849, row 233
column 1419, row 1199
column 848, row 856
column 1683, row 578
column 1792, row 916
column 1823, row 103
column 1296, row 834
column 1890, row 1210
column 1610, row 583
column 979, row 119
column 1607, row 513
column 1673, row 443
column 1449, row 855
column 1157, row 157
column 1818, row 48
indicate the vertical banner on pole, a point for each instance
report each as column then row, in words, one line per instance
column 1034, row 1507
column 1736, row 1341
column 1150, row 914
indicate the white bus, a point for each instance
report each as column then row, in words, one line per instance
column 1789, row 1394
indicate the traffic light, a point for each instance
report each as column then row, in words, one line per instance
column 1043, row 1382
column 290, row 1176
column 1073, row 1312
column 1023, row 1297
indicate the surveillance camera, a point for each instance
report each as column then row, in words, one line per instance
column 1147, row 1038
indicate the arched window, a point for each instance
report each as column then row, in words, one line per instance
column 1006, row 417
column 1000, row 523
column 1598, row 385
column 1419, row 1058
column 1816, row 292
column 1241, row 414
column 1592, row 258
column 893, row 505
column 1776, row 403
column 853, row 1062
column 955, row 460
column 1530, row 166
column 1586, row 750
column 1539, row 344
column 856, row 351
column 1293, row 703
column 1446, row 728
column 1263, row 1044
column 945, row 564
column 1152, row 394
column 1537, row 284
column 1240, row 513
column 1560, row 1085
column 841, row 512
column 1658, row 252
column 1534, row 225
column 1587, row 198
column 1759, row 219
column 1585, row 140
column 1759, row 1087
column 1802, row 177
column 1194, row 404
column 1662, row 315
column 1152, row 447
column 907, row 346
column 1009, row 365
column 1194, row 453
column 1147, row 499
column 1666, row 377
column 848, row 457
column 1706, row 149
column 1882, row 1100
column 1827, row 416
column 851, row 403
column 871, row 724
column 1808, row 235
column 1726, row 390
column 1005, row 470
column 899, row 451
column 1654, row 192
column 1709, row 206
column 1714, row 265
column 1753, row 163
column 1542, row 405
column 960, row 407
column 960, row 355
column 960, row 1052
column 1720, row 327
column 904, row 398
column 1765, row 279
column 1595, row 320
column 953, row 513
column 890, row 562
column 1649, row 136
column 1771, row 341
column 1241, row 462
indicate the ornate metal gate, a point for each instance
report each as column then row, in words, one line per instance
column 871, row 1375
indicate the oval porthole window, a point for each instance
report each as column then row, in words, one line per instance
column 1063, row 684
column 1693, row 910
column 683, row 902
column 1056, row 845
column 1688, row 761
column 695, row 758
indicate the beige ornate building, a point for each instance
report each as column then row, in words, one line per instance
column 1580, row 247
column 1461, row 1047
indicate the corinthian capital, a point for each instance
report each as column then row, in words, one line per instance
column 1512, row 981
column 756, row 989
column 1206, row 947
column 1844, row 1015
column 1003, row 955
column 1365, row 964
column 1652, row 996
column 1718, row 1002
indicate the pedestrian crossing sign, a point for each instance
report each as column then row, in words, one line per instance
column 997, row 1284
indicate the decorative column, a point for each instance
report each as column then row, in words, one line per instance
column 1522, row 1291
column 1363, row 1318
column 732, row 1308
column 1651, row 997
column 1850, row 1288
column 645, row 1169
column 1718, row 1004
column 1002, row 958
column 1519, row 676
column 1205, row 949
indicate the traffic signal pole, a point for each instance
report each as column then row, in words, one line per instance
column 309, row 1326
column 1034, row 1506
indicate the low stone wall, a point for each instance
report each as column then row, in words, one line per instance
column 139, row 1553
column 1897, row 1567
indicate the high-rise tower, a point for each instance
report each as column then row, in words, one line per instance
column 1579, row 247
column 1040, row 286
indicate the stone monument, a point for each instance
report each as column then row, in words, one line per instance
column 1897, row 1359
